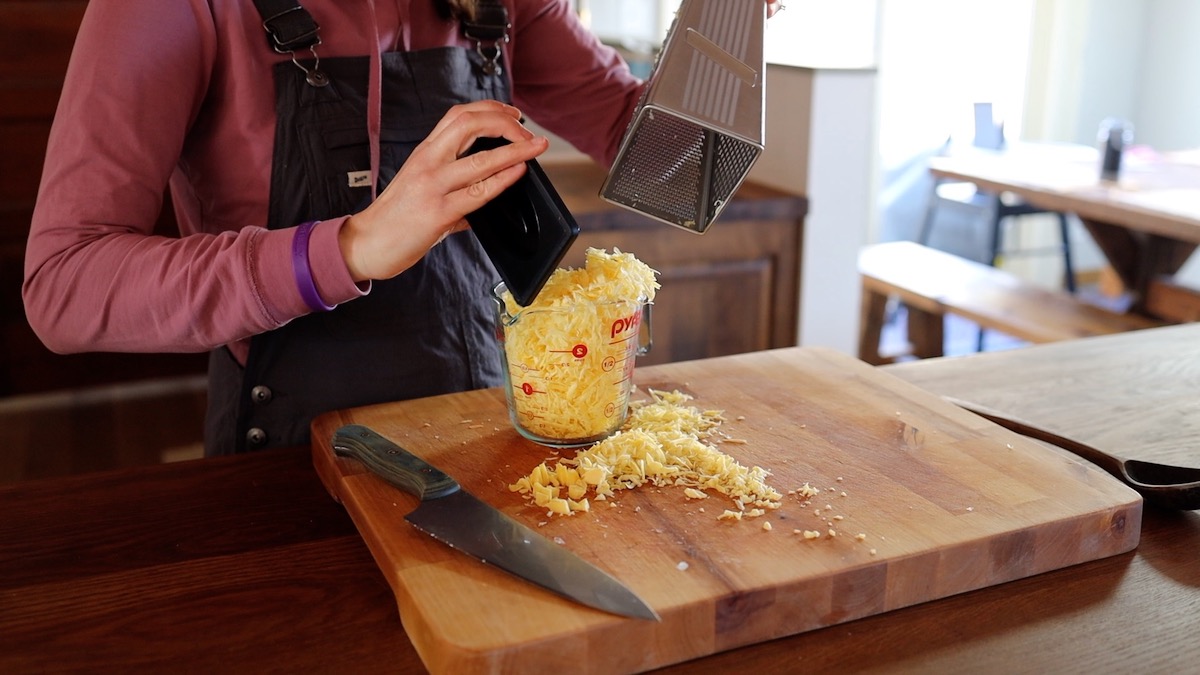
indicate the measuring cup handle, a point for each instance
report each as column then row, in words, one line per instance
column 646, row 334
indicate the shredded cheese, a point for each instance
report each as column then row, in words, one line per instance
column 663, row 443
column 571, row 352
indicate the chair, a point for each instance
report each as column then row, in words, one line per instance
column 993, row 209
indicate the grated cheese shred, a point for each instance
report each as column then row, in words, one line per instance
column 664, row 442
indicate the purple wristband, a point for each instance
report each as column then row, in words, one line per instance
column 304, row 277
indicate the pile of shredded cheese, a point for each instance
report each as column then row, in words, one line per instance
column 571, row 352
column 604, row 277
column 663, row 442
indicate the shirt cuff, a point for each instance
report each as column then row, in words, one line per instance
column 329, row 271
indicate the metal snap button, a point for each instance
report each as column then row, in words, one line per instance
column 261, row 394
column 256, row 437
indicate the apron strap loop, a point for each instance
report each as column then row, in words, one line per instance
column 313, row 77
column 488, row 30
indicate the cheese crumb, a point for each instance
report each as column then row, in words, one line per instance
column 767, row 525
column 805, row 491
column 811, row 534
column 682, row 566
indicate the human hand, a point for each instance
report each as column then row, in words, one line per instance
column 436, row 188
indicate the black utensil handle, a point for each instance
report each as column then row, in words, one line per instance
column 392, row 463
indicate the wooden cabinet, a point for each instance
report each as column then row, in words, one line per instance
column 733, row 289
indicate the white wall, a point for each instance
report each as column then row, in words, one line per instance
column 1110, row 76
column 1168, row 101
column 836, row 172
column 1098, row 58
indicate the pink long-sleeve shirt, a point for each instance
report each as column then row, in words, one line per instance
column 181, row 93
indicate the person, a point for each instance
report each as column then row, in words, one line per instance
column 315, row 156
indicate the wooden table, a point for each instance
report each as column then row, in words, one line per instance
column 245, row 563
column 1147, row 223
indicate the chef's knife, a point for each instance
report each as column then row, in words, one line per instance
column 455, row 517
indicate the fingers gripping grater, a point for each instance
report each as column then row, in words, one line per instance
column 698, row 128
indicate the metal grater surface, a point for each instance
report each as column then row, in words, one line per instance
column 698, row 129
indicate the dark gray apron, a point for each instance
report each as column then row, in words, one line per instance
column 428, row 331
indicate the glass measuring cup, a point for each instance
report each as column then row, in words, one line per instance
column 569, row 370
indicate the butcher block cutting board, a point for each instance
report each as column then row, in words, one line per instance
column 924, row 500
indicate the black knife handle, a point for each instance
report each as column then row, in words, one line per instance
column 392, row 463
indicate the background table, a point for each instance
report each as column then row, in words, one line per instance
column 1147, row 223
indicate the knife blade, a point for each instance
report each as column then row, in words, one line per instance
column 459, row 519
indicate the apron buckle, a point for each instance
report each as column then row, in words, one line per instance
column 488, row 29
column 291, row 29
column 491, row 56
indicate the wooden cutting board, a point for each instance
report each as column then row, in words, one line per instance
column 946, row 502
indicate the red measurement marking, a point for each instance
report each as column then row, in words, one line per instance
column 578, row 351
column 528, row 389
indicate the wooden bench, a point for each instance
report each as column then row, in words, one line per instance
column 933, row 283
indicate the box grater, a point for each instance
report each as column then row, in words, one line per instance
column 698, row 128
